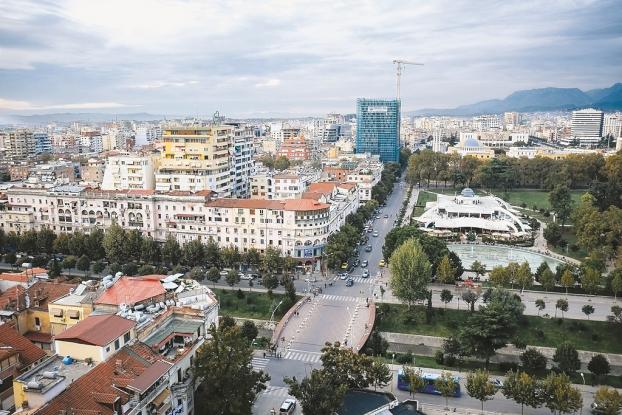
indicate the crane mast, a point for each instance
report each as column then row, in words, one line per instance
column 400, row 69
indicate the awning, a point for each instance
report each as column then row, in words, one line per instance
column 169, row 285
column 74, row 314
column 57, row 312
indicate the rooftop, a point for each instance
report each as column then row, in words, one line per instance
column 12, row 342
column 290, row 204
column 360, row 402
column 63, row 373
column 174, row 326
column 98, row 330
column 132, row 290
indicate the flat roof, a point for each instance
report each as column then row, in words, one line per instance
column 357, row 402
column 67, row 373
column 174, row 325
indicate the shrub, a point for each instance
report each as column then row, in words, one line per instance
column 450, row 360
column 507, row 366
column 404, row 359
column 240, row 294
column 539, row 334
column 439, row 357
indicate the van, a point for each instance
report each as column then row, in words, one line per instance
column 288, row 406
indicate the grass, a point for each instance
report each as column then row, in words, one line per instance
column 256, row 305
column 424, row 197
column 569, row 236
column 596, row 336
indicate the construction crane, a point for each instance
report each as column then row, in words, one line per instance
column 400, row 68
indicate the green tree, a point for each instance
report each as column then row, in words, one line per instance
column 547, row 279
column 523, row 277
column 270, row 281
column 171, row 252
column 272, row 260
column 249, row 330
column 193, row 253
column 499, row 277
column 540, row 305
column 376, row 344
column 213, row 275
column 493, row 327
column 567, row 280
column 134, row 244
column 98, row 267
column 378, row 374
column 146, row 269
column 227, row 376
column 478, row 268
column 522, row 389
column 599, row 366
column 197, row 274
column 446, row 385
column 54, row 268
column 130, row 268
column 317, row 394
column 587, row 310
column 410, row 272
column 559, row 394
column 591, row 280
column 446, row 297
column 541, row 268
column 281, row 163
column 616, row 283
column 45, row 240
column 562, row 305
column 415, row 379
column 470, row 297
column 479, row 386
column 561, row 202
column 212, row 253
column 553, row 233
column 608, row 401
column 69, row 262
column 445, row 272
column 290, row 292
column 252, row 257
column 567, row 358
column 150, row 251
column 230, row 257
column 533, row 361
column 232, row 278
column 83, row 264
column 114, row 244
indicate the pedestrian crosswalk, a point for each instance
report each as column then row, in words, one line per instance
column 308, row 357
column 361, row 280
column 259, row 363
column 341, row 298
column 277, row 391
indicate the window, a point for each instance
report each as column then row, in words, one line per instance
column 37, row 322
column 126, row 337
column 116, row 344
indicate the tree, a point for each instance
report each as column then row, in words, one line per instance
column 608, row 401
column 540, row 305
column 69, row 262
column 249, row 330
column 446, row 385
column 494, row 325
column 228, row 378
column 212, row 253
column 171, row 252
column 83, row 264
column 541, row 268
column 478, row 268
column 290, row 292
column 567, row 358
column 114, row 244
column 10, row 258
column 150, row 251
column 281, row 163
column 591, row 280
column 499, row 277
column 445, row 272
column 587, row 310
column 45, row 240
column 134, row 244
column 252, row 257
column 376, row 345
column 98, row 267
column 415, row 379
column 616, row 314
column 213, row 275
column 317, row 394
column 230, row 256
column 547, row 279
column 270, row 281
column 146, row 270
column 470, row 297
column 522, row 389
column 130, row 268
column 567, row 279
column 599, row 366
column 479, row 386
column 272, row 260
column 524, row 277
column 193, row 253
column 559, row 394
column 533, row 361
column 561, row 202
column 196, row 274
column 553, row 233
column 562, row 305
column 410, row 272
column 54, row 268
column 616, row 282
column 232, row 278
column 378, row 374
column 446, row 296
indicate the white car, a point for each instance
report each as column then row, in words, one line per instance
column 375, row 234
column 288, row 406
column 245, row 276
column 343, row 276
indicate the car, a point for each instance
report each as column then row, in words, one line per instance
column 253, row 276
column 343, row 275
column 386, row 216
column 497, row 383
column 245, row 276
column 356, row 263
column 349, row 282
column 375, row 234
column 344, row 265
column 368, row 248
column 224, row 272
column 311, row 279
column 365, row 274
column 378, row 217
column 369, row 230
column 381, row 263
column 288, row 406
column 364, row 264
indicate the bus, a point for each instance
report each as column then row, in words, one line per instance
column 429, row 378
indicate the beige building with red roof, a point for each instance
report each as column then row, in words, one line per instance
column 131, row 291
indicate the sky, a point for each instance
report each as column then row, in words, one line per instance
column 295, row 58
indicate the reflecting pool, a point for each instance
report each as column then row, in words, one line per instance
column 493, row 255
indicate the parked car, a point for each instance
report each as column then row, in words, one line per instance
column 245, row 276
column 288, row 406
column 378, row 217
column 364, row 264
column 344, row 265
column 497, row 383
column 368, row 248
column 375, row 234
column 386, row 216
column 356, row 262
column 381, row 263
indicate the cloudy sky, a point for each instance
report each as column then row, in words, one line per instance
column 290, row 57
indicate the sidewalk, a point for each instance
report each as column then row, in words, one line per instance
column 414, row 196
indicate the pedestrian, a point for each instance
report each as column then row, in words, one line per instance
column 264, row 355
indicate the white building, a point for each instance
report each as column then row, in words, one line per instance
column 468, row 212
column 242, row 162
column 613, row 125
column 127, row 171
column 486, row 122
column 587, row 127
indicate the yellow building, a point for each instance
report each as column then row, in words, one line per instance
column 195, row 158
column 70, row 309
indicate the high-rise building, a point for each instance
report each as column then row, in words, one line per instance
column 378, row 128
column 486, row 122
column 613, row 125
column 587, row 126
column 43, row 143
column 511, row 118
column 242, row 162
column 128, row 172
column 18, row 144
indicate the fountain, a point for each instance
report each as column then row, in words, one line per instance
column 493, row 255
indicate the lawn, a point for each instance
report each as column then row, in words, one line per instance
column 538, row 198
column 424, row 197
column 256, row 305
column 597, row 336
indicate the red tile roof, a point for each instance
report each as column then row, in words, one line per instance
column 289, row 205
column 322, row 187
column 150, row 376
column 22, row 276
column 131, row 290
column 94, row 393
column 97, row 330
column 46, row 292
column 38, row 337
column 11, row 341
column 13, row 298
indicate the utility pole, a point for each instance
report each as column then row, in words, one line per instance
column 400, row 68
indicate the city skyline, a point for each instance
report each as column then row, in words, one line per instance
column 293, row 59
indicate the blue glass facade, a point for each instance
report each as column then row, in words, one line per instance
column 378, row 128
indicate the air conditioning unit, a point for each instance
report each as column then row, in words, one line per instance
column 37, row 328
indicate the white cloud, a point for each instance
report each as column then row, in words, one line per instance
column 163, row 84
column 268, row 83
column 7, row 104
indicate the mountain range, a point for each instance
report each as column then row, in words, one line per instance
column 542, row 99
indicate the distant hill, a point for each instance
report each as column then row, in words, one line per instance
column 542, row 99
column 66, row 117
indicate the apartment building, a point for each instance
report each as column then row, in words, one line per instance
column 295, row 148
column 18, row 144
column 587, row 127
column 129, row 171
column 196, row 158
column 242, row 162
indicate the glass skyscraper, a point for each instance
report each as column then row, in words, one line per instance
column 378, row 128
